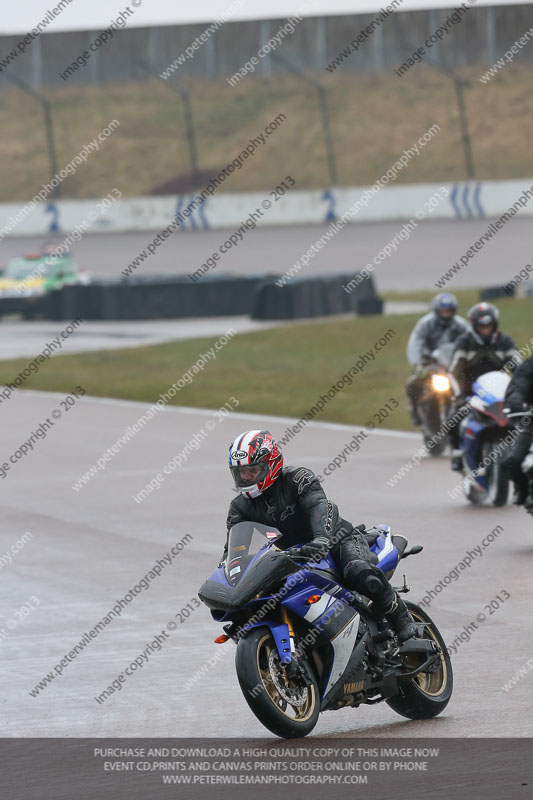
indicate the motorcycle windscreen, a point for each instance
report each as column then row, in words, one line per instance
column 245, row 541
column 491, row 386
column 443, row 354
column 251, row 568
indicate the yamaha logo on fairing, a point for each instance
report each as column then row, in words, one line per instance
column 349, row 688
column 239, row 454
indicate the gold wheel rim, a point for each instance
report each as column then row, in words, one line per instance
column 265, row 648
column 431, row 683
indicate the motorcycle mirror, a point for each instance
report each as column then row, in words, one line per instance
column 417, row 548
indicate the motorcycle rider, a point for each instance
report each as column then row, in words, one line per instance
column 483, row 348
column 519, row 396
column 292, row 500
column 441, row 326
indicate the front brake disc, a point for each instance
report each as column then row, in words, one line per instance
column 295, row 697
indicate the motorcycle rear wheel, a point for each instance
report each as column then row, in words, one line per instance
column 428, row 693
column 288, row 709
column 498, row 483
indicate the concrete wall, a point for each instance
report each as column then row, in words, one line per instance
column 419, row 201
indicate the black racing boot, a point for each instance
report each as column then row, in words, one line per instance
column 415, row 416
column 364, row 577
column 400, row 619
column 520, row 495
column 457, row 461
column 528, row 503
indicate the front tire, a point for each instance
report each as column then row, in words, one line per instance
column 432, row 427
column 286, row 708
column 473, row 492
column 428, row 693
column 438, row 449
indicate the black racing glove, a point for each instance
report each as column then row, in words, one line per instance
column 516, row 406
column 315, row 550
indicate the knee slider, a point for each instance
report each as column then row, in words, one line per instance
column 366, row 579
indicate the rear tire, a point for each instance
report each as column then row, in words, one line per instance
column 268, row 691
column 428, row 693
column 498, row 483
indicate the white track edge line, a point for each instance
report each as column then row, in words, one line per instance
column 236, row 414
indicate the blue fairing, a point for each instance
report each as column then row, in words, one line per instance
column 385, row 550
column 298, row 586
column 388, row 560
column 298, row 603
column 219, row 576
column 470, row 443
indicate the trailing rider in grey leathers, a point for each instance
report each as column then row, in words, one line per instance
column 441, row 326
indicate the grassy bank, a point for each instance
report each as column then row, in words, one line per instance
column 282, row 371
column 373, row 119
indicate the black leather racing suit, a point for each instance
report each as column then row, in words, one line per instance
column 298, row 507
column 471, row 358
column 519, row 394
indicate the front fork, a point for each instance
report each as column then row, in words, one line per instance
column 297, row 669
column 286, row 619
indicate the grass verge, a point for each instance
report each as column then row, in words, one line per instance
column 281, row 371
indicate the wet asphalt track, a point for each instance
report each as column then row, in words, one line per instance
column 90, row 547
column 418, row 262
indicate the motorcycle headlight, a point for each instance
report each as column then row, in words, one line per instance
column 440, row 383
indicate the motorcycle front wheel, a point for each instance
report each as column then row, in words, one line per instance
column 432, row 427
column 286, row 707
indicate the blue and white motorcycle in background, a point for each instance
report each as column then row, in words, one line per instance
column 305, row 644
column 484, row 435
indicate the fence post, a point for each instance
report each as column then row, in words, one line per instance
column 324, row 112
column 48, row 124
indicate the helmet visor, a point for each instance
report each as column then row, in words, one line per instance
column 485, row 330
column 249, row 474
column 446, row 312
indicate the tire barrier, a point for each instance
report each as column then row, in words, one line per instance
column 316, row 297
column 167, row 297
column 496, row 292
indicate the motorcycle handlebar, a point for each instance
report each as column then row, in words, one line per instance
column 526, row 413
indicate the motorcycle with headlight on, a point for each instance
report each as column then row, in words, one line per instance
column 435, row 398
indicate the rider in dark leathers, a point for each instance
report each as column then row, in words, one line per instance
column 519, row 396
column 441, row 326
column 482, row 349
column 292, row 500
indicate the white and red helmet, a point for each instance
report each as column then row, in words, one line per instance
column 255, row 461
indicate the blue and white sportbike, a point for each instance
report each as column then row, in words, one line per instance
column 305, row 644
column 484, row 435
